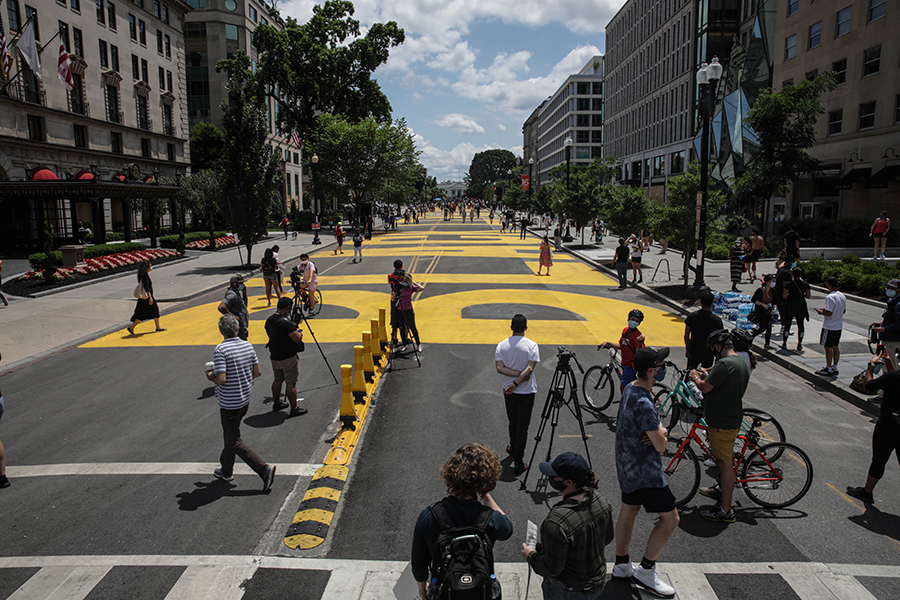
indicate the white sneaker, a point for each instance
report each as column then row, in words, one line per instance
column 650, row 581
column 709, row 462
column 623, row 571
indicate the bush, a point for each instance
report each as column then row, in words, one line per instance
column 848, row 279
column 872, row 284
column 171, row 241
column 814, row 268
column 111, row 236
column 851, row 259
column 37, row 260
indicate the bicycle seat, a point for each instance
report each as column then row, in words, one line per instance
column 762, row 416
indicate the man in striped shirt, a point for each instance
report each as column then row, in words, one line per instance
column 235, row 368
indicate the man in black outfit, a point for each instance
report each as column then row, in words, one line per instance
column 697, row 327
column 524, row 223
column 396, row 282
column 792, row 244
column 285, row 340
column 621, row 263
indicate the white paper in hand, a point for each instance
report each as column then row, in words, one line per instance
column 531, row 535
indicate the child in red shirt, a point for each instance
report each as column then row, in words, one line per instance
column 629, row 343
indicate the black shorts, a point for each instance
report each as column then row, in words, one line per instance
column 654, row 500
column 829, row 338
column 636, row 260
column 879, row 235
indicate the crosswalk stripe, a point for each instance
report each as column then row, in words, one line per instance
column 148, row 468
column 61, row 583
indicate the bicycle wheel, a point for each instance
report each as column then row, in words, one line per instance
column 682, row 472
column 318, row 307
column 667, row 407
column 597, row 388
column 769, row 431
column 781, row 486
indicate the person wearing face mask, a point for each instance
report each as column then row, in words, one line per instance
column 640, row 442
column 310, row 281
column 235, row 303
column 890, row 321
column 631, row 341
column 723, row 389
column 763, row 301
column 146, row 308
column 570, row 554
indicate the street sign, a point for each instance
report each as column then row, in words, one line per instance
column 316, row 226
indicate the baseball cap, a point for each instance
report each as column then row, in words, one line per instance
column 284, row 302
column 567, row 465
column 894, row 283
column 237, row 279
column 646, row 358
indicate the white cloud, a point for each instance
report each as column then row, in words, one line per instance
column 501, row 126
column 459, row 123
column 451, row 164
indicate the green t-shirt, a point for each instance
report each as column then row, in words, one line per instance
column 729, row 378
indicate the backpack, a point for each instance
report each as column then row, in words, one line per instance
column 462, row 565
column 269, row 265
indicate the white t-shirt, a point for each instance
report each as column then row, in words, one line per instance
column 310, row 273
column 515, row 352
column 836, row 302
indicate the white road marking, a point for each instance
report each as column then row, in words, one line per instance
column 148, row 468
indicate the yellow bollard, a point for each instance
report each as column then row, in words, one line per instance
column 348, row 411
column 368, row 363
column 382, row 329
column 377, row 351
column 358, row 386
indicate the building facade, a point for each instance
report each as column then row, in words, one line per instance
column 858, row 136
column 452, row 189
column 128, row 105
column 219, row 29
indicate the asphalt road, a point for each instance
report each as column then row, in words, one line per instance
column 112, row 444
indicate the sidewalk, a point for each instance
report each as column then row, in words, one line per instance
column 37, row 327
column 861, row 312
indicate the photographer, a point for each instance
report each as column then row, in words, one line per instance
column 515, row 359
column 285, row 340
column 397, row 283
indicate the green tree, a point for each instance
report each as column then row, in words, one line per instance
column 677, row 218
column 625, row 210
column 323, row 66
column 785, row 124
column 201, row 193
column 357, row 159
column 583, row 199
column 250, row 175
column 488, row 167
column 207, row 145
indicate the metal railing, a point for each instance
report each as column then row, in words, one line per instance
column 80, row 108
column 145, row 123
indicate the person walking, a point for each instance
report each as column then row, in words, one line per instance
column 406, row 308
column 235, row 303
column 886, row 435
column 471, row 471
column 879, row 232
column 546, row 259
column 757, row 245
column 574, row 535
column 515, row 359
column 370, row 224
column 792, row 244
column 235, row 368
column 763, row 305
column 146, row 308
column 736, row 257
column 621, row 263
column 557, row 237
column 795, row 294
column 832, row 325
column 637, row 251
column 285, row 224
column 279, row 270
column 523, row 227
column 339, row 237
column 269, row 266
column 723, row 389
column 697, row 327
column 640, row 442
column 357, row 246
column 285, row 341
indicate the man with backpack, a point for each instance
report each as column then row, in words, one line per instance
column 570, row 556
column 285, row 341
column 357, row 246
column 443, row 565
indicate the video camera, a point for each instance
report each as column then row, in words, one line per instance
column 296, row 279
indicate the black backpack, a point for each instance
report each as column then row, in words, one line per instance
column 269, row 265
column 462, row 564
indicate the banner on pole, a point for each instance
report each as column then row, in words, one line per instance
column 525, row 183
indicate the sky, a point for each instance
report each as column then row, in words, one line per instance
column 471, row 71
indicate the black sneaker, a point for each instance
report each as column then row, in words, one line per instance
column 718, row 515
column 268, row 478
column 279, row 406
column 4, row 482
column 220, row 475
column 520, row 468
column 861, row 494
column 296, row 412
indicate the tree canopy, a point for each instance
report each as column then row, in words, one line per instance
column 324, row 66
column 207, row 144
column 486, row 168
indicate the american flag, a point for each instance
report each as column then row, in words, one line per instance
column 295, row 137
column 4, row 66
column 65, row 73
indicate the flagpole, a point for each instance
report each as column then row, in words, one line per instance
column 41, row 49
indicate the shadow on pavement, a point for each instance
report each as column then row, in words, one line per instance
column 208, row 492
column 878, row 522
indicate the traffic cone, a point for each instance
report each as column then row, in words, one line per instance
column 358, row 385
column 368, row 363
column 377, row 351
column 382, row 329
column 348, row 410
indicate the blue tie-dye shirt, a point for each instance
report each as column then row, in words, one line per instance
column 637, row 464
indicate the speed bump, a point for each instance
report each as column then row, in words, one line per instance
column 313, row 519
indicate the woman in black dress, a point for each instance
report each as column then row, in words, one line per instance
column 763, row 301
column 146, row 307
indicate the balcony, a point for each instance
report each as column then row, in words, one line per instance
column 169, row 129
column 115, row 116
column 16, row 91
column 79, row 108
column 38, row 97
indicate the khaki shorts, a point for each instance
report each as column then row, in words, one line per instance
column 721, row 442
column 287, row 370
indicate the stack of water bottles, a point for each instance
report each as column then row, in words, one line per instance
column 730, row 305
column 744, row 311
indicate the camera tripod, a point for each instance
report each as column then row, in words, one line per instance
column 298, row 315
column 395, row 306
column 563, row 377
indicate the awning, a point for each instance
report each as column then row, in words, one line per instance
column 854, row 176
column 44, row 174
column 886, row 175
column 84, row 174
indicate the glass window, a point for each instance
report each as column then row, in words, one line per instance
column 596, row 88
column 35, row 128
column 231, row 32
column 78, row 38
column 135, row 67
column 835, row 118
column 145, row 148
column 80, row 136
column 582, row 104
column 815, row 35
column 112, row 105
column 111, row 15
column 192, row 30
column 843, row 22
column 840, row 70
column 142, row 29
column 583, row 87
column 197, row 3
column 64, row 35
column 231, row 5
column 145, row 71
column 793, row 6
column 159, row 44
column 810, row 75
column 254, row 16
column 264, row 20
column 104, row 55
column 582, row 120
column 170, row 152
column 31, row 13
column 871, row 60
column 165, row 14
column 582, row 136
column 132, row 26
column 167, row 44
column 897, row 109
column 677, row 164
column 169, row 81
column 597, row 104
column 114, row 57
column 162, row 78
column 76, row 5
column 867, row 115
column 790, row 47
column 142, row 111
column 101, row 12
column 876, row 9
column 115, row 142
column 13, row 15
column 156, row 11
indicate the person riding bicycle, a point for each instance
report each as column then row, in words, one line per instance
column 723, row 389
column 310, row 281
column 629, row 343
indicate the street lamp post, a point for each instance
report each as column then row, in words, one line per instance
column 568, row 143
column 314, row 160
column 530, row 184
column 708, row 77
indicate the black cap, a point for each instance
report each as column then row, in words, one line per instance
column 237, row 279
column 646, row 358
column 567, row 465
